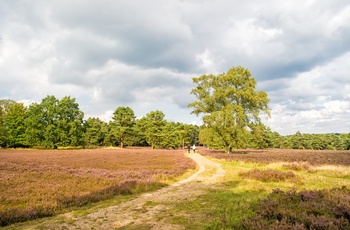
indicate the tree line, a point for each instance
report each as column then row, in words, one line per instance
column 329, row 141
column 230, row 106
column 53, row 123
column 60, row 123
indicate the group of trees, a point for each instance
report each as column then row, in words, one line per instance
column 229, row 104
column 54, row 123
column 331, row 141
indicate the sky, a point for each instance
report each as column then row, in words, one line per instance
column 144, row 54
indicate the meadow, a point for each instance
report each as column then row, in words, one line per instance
column 39, row 183
column 276, row 189
column 261, row 189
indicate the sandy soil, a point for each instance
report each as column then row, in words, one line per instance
column 149, row 211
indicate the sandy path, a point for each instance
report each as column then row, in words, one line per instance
column 149, row 210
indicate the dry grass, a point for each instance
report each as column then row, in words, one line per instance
column 268, row 175
column 41, row 183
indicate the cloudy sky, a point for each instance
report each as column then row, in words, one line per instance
column 144, row 54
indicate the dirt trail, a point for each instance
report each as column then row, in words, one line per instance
column 149, row 211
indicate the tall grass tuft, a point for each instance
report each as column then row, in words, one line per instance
column 299, row 166
column 269, row 175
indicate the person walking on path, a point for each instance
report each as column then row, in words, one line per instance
column 194, row 148
column 188, row 148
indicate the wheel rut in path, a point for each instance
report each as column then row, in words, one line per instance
column 150, row 209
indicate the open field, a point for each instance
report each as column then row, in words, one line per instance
column 287, row 191
column 280, row 189
column 312, row 157
column 42, row 183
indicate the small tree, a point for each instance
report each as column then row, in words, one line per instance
column 14, row 123
column 3, row 134
column 70, row 123
column 152, row 126
column 123, row 123
column 93, row 132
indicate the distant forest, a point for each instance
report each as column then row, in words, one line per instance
column 55, row 123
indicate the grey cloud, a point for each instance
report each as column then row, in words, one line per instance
column 147, row 35
column 110, row 53
column 306, row 41
column 302, row 105
column 169, row 34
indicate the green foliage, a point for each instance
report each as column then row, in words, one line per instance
column 227, row 124
column 315, row 141
column 259, row 137
column 153, row 125
column 2, row 128
column 14, row 122
column 4, row 107
column 139, row 137
column 55, row 122
column 35, row 125
column 123, row 124
column 94, row 135
column 230, row 106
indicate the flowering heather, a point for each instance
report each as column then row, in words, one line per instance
column 312, row 157
column 307, row 209
column 41, row 183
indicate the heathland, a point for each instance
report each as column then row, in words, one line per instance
column 39, row 183
column 250, row 189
